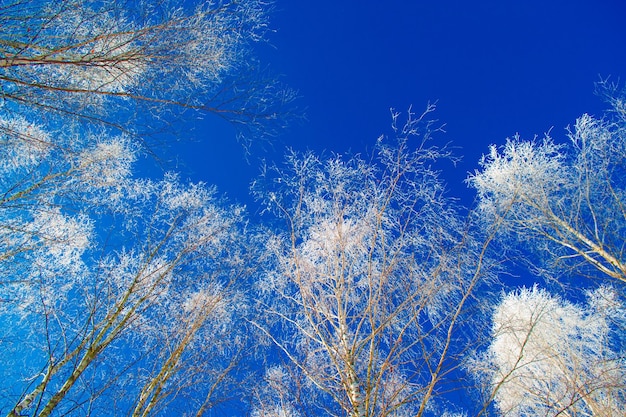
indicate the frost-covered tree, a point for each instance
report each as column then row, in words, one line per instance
column 550, row 357
column 365, row 291
column 117, row 293
column 569, row 200
column 119, row 62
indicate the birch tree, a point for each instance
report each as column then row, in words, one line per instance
column 365, row 292
column 128, row 64
column 551, row 357
column 568, row 199
column 117, row 292
column 118, row 295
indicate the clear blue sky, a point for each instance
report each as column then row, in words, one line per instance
column 495, row 67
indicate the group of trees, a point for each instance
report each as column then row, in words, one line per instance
column 366, row 294
column 567, row 203
column 118, row 294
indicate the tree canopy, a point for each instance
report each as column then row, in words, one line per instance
column 362, row 289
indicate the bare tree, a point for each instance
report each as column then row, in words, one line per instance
column 128, row 63
column 569, row 200
column 550, row 357
column 567, row 203
column 366, row 292
column 117, row 292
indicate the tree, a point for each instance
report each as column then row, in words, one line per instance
column 366, row 293
column 570, row 197
column 119, row 63
column 550, row 357
column 115, row 290
column 118, row 295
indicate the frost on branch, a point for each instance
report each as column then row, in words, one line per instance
column 549, row 355
column 86, row 46
column 65, row 238
column 22, row 144
column 103, row 48
column 522, row 172
column 123, row 66
column 107, row 162
column 570, row 199
column 112, row 279
column 364, row 286
column 273, row 399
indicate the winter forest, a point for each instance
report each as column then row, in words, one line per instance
column 352, row 284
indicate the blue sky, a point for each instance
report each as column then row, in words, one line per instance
column 495, row 68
